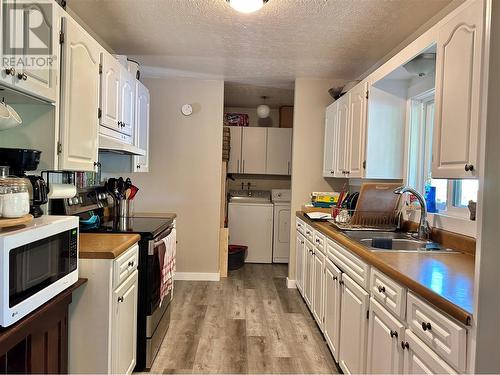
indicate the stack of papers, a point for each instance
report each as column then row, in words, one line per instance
column 319, row 215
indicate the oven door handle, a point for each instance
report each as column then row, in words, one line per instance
column 154, row 244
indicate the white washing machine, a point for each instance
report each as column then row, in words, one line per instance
column 281, row 230
column 250, row 222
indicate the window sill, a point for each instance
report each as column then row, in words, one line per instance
column 450, row 223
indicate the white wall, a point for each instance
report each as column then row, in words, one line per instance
column 311, row 100
column 185, row 164
column 272, row 121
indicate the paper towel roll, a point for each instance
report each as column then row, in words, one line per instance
column 58, row 191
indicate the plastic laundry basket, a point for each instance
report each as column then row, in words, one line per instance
column 236, row 256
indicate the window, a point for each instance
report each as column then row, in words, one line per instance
column 452, row 196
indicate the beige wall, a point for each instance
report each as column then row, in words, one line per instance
column 185, row 163
column 311, row 99
column 272, row 121
column 260, row 182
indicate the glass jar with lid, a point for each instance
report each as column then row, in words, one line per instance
column 14, row 195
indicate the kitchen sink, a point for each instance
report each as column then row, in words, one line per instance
column 395, row 241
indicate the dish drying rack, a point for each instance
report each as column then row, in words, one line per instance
column 345, row 219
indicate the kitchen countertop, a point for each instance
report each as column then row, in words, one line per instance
column 105, row 245
column 444, row 280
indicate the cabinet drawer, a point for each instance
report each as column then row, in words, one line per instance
column 442, row 334
column 300, row 226
column 309, row 233
column 319, row 241
column 349, row 263
column 389, row 293
column 125, row 265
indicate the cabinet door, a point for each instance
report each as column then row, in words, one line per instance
column 329, row 145
column 234, row 164
column 253, row 155
column 342, row 141
column 40, row 80
column 79, row 99
column 332, row 297
column 458, row 91
column 110, row 92
column 353, row 327
column 299, row 272
column 385, row 354
column 279, row 151
column 124, row 326
column 357, row 127
column 141, row 139
column 308, row 272
column 127, row 94
column 5, row 75
column 420, row 359
column 318, row 281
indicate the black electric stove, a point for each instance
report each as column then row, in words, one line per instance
column 149, row 227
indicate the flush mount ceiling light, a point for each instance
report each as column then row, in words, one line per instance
column 247, row 6
column 263, row 110
column 421, row 65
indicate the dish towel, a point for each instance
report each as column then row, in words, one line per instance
column 166, row 254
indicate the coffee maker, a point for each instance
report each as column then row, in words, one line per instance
column 20, row 161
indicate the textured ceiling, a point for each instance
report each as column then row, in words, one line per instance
column 284, row 40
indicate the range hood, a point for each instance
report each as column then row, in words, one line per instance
column 113, row 145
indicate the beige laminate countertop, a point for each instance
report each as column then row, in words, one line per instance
column 105, row 245
column 445, row 280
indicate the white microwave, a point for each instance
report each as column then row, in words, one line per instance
column 37, row 262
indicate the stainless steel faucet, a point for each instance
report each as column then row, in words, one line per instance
column 424, row 228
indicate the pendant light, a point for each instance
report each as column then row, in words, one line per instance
column 247, row 6
column 263, row 110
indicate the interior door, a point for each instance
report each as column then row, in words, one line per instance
column 357, row 128
column 79, row 98
column 110, row 92
column 459, row 64
column 254, row 143
column 329, row 146
column 234, row 163
column 353, row 327
column 279, row 151
column 342, row 141
column 300, row 251
column 332, row 297
column 385, row 354
column 125, row 326
column 141, row 163
column 127, row 93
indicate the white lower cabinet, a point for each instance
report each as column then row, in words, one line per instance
column 317, row 289
column 420, row 359
column 299, row 251
column 308, row 272
column 103, row 316
column 353, row 327
column 332, row 296
column 385, row 353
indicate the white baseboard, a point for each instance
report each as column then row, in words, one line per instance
column 197, row 276
column 290, row 283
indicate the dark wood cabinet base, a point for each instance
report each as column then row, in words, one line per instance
column 38, row 344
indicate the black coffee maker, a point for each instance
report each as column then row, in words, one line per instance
column 20, row 161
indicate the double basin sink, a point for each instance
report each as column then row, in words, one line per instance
column 395, row 242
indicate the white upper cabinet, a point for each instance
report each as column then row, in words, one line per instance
column 127, row 93
column 143, row 104
column 38, row 80
column 329, row 148
column 279, row 151
column 341, row 145
column 353, row 327
column 79, row 98
column 459, row 68
column 234, row 163
column 110, row 92
column 357, row 127
column 253, row 150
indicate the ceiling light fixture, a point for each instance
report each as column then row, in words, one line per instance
column 263, row 110
column 247, row 6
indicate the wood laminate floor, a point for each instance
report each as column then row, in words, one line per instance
column 248, row 323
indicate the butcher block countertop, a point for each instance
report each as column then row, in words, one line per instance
column 444, row 280
column 105, row 245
